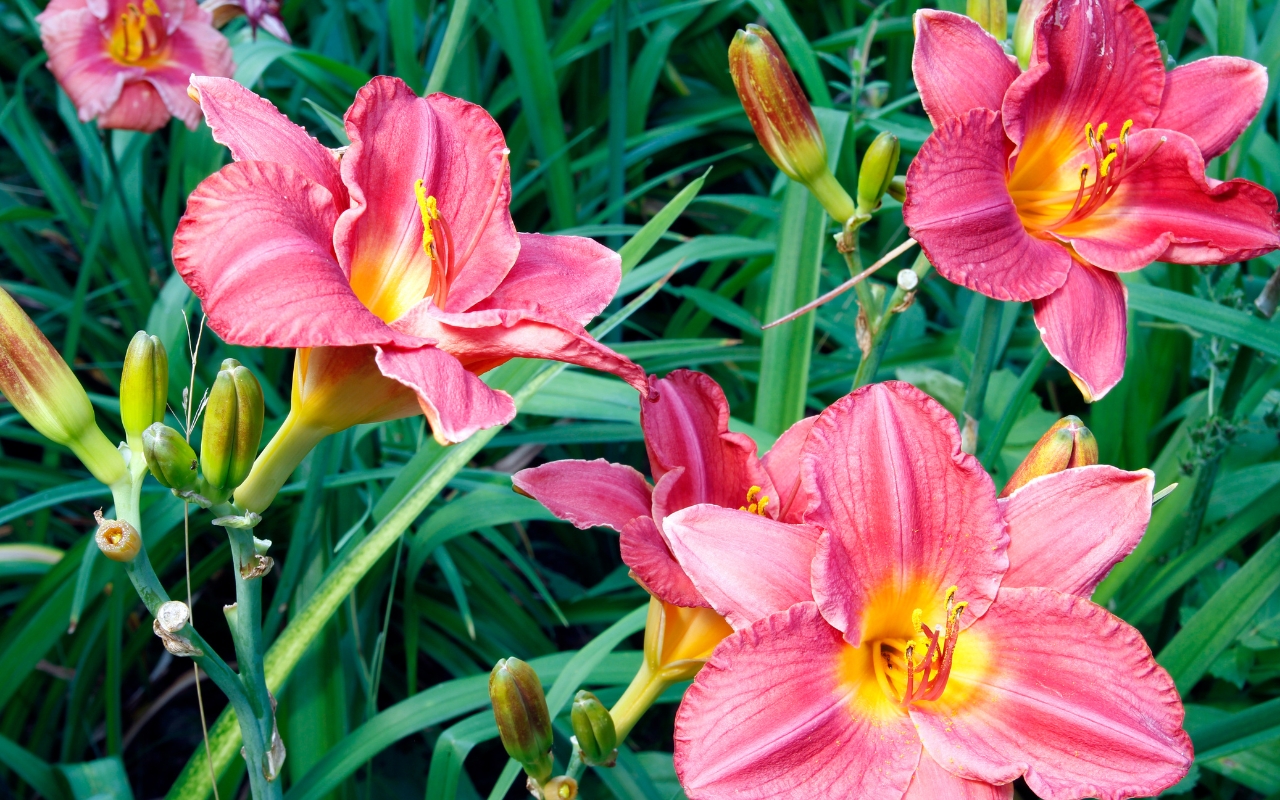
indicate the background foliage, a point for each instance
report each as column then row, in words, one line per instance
column 432, row 568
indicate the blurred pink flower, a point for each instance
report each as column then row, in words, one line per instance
column 1021, row 194
column 917, row 635
column 395, row 269
column 263, row 14
column 127, row 62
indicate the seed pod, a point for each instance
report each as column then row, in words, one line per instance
column 561, row 788
column 1065, row 445
column 594, row 729
column 170, row 459
column 144, row 387
column 232, row 427
column 524, row 723
column 878, row 166
column 117, row 539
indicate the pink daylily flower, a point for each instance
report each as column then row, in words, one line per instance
column 1041, row 185
column 127, row 62
column 263, row 14
column 393, row 265
column 694, row 459
column 917, row 637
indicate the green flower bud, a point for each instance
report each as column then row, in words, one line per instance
column 524, row 723
column 992, row 15
column 897, row 188
column 170, row 458
column 1024, row 30
column 144, row 387
column 878, row 166
column 42, row 389
column 594, row 729
column 1066, row 445
column 232, row 427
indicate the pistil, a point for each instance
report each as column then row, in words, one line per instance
column 939, row 649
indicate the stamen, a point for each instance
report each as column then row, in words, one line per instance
column 1089, row 135
column 935, row 666
column 753, row 505
column 437, row 242
column 1102, row 132
column 1106, row 163
column 1124, row 131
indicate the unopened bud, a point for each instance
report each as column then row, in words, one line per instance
column 782, row 118
column 232, row 427
column 1066, row 445
column 992, row 15
column 520, row 709
column 561, row 788
column 898, row 188
column 42, row 389
column 594, row 729
column 117, row 539
column 170, row 458
column 878, row 166
column 144, row 387
column 1024, row 30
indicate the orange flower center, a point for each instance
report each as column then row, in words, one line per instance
column 916, row 670
column 139, row 37
column 1051, row 196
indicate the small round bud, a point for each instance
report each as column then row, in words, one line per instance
column 908, row 280
column 561, row 788
column 170, row 458
column 876, row 173
column 520, row 709
column 117, row 539
column 898, row 188
column 594, row 729
column 144, row 386
column 232, row 427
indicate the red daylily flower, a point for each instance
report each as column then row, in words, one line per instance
column 695, row 459
column 1040, row 185
column 394, row 267
column 127, row 62
column 917, row 635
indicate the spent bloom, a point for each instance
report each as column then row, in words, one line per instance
column 127, row 62
column 916, row 637
column 392, row 266
column 263, row 14
column 1042, row 185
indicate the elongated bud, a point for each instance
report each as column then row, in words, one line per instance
column 878, row 166
column 593, row 727
column 1065, row 445
column 117, row 539
column 170, row 458
column 43, row 390
column 992, row 15
column 1024, row 30
column 561, row 788
column 232, row 427
column 782, row 118
column 520, row 708
column 144, row 387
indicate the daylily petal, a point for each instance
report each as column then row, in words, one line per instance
column 138, row 108
column 747, row 566
column 455, row 402
column 457, row 150
column 274, row 282
column 254, row 130
column 686, row 424
column 1054, row 688
column 79, row 60
column 482, row 340
column 1085, row 327
column 782, row 462
column 1212, row 100
column 337, row 387
column 1067, row 530
column 958, row 66
column 195, row 48
column 959, row 208
column 1096, row 61
column 1167, row 209
column 906, row 513
column 587, row 493
column 932, row 782
column 572, row 275
column 645, row 551
column 777, row 713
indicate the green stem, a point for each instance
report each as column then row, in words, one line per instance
column 644, row 690
column 1029, row 377
column 898, row 301
column 975, row 393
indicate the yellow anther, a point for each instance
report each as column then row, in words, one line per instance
column 1102, row 132
column 1113, row 147
column 1089, row 135
column 150, row 8
column 1084, row 172
column 917, row 617
column 764, row 501
column 753, row 508
column 1124, row 130
column 752, row 493
column 959, row 609
column 1106, row 163
column 426, row 207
